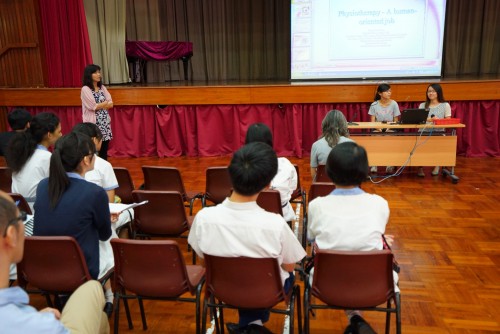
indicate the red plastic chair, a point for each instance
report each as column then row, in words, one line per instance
column 169, row 179
column 55, row 266
column 21, row 203
column 247, row 283
column 218, row 185
column 5, row 179
column 317, row 189
column 270, row 200
column 146, row 269
column 299, row 195
column 355, row 281
column 321, row 175
column 125, row 184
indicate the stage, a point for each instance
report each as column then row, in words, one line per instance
column 196, row 118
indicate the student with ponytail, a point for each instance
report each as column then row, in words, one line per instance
column 28, row 157
column 68, row 205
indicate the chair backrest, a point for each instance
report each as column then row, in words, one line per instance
column 5, row 179
column 244, row 282
column 218, row 184
column 270, row 200
column 125, row 184
column 353, row 279
column 150, row 268
column 321, row 175
column 320, row 189
column 164, row 214
column 52, row 264
column 298, row 191
column 21, row 203
column 163, row 178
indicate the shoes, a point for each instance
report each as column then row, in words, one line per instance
column 360, row 326
column 233, row 328
column 373, row 169
column 420, row 172
column 389, row 169
column 435, row 171
column 348, row 330
column 108, row 309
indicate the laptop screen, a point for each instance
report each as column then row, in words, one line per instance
column 414, row 116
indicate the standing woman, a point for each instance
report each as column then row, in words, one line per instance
column 96, row 101
column 28, row 157
column 438, row 109
column 383, row 110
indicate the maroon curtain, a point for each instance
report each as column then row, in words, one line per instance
column 220, row 129
column 66, row 39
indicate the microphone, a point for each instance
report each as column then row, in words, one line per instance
column 354, row 117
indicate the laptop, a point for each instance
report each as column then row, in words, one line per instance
column 414, row 116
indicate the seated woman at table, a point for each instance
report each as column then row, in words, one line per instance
column 438, row 109
column 68, row 205
column 334, row 131
column 383, row 109
column 285, row 180
column 28, row 155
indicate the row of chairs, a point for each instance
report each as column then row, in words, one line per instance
column 156, row 270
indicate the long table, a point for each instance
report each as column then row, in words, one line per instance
column 409, row 147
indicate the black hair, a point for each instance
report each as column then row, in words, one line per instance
column 88, row 128
column 439, row 92
column 259, row 132
column 333, row 126
column 347, row 164
column 19, row 118
column 8, row 212
column 252, row 168
column 381, row 89
column 87, row 76
column 69, row 151
column 23, row 144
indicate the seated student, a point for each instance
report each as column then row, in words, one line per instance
column 68, row 205
column 19, row 120
column 28, row 157
column 103, row 174
column 285, row 180
column 334, row 131
column 349, row 219
column 438, row 109
column 242, row 228
column 384, row 109
column 83, row 311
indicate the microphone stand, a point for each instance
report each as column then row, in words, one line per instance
column 351, row 122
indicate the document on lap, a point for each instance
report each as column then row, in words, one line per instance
column 119, row 207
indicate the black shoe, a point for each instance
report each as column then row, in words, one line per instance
column 360, row 326
column 348, row 330
column 257, row 329
column 108, row 309
column 233, row 328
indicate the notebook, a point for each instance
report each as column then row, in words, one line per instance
column 414, row 116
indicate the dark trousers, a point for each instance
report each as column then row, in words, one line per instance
column 103, row 152
column 248, row 316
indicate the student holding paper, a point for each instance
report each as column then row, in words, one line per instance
column 68, row 205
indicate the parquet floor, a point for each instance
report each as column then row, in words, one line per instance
column 447, row 242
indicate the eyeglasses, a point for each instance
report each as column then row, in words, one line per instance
column 22, row 217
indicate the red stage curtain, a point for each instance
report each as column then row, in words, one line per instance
column 66, row 39
column 220, row 129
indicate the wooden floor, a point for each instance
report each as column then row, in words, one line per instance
column 447, row 242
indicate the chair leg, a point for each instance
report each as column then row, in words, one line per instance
column 221, row 319
column 143, row 314
column 299, row 309
column 306, row 309
column 127, row 313
column 291, row 312
column 197, row 303
column 204, row 316
column 117, row 312
column 398, row 313
column 388, row 318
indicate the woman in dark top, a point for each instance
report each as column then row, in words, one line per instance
column 67, row 205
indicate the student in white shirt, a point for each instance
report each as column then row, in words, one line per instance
column 28, row 157
column 285, row 180
column 349, row 219
column 239, row 227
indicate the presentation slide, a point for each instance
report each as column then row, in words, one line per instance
column 361, row 39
